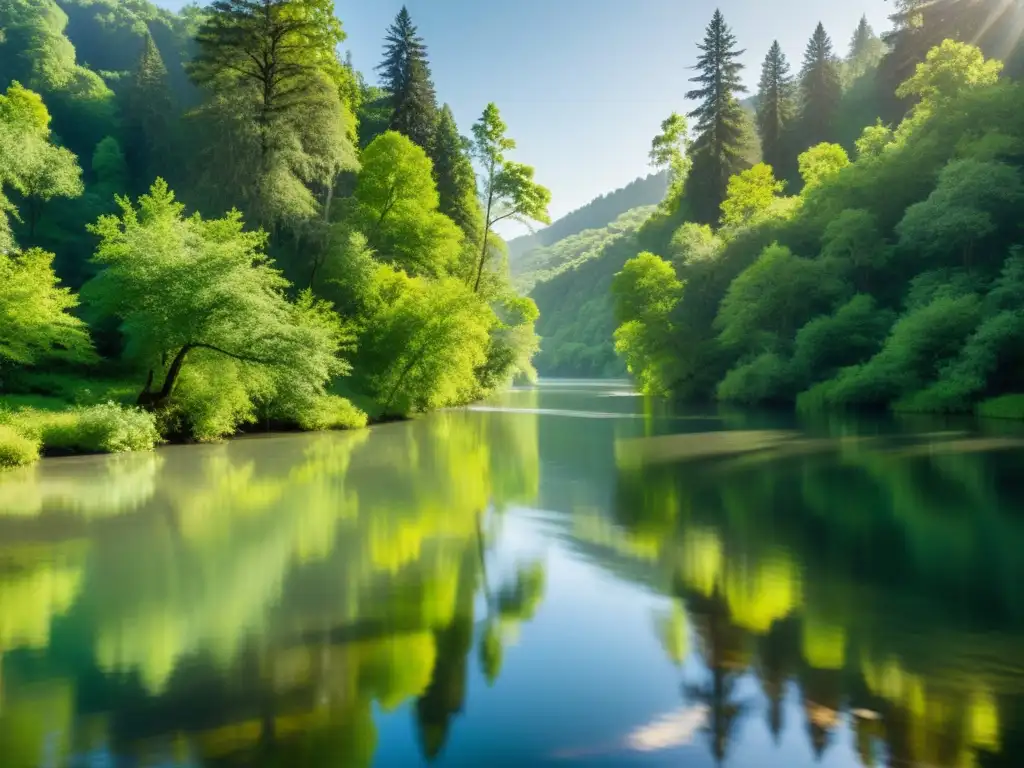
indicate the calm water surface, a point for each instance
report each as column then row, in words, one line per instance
column 569, row 575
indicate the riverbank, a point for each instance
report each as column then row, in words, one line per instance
column 72, row 416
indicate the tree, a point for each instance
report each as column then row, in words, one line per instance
column 820, row 90
column 866, row 50
column 719, row 145
column 873, row 140
column 750, row 193
column 110, row 167
column 820, row 163
column 148, row 118
column 669, row 151
column 645, row 293
column 509, row 191
column 949, row 69
column 30, row 164
column 422, row 343
column 397, row 208
column 456, row 180
column 776, row 107
column 277, row 133
column 187, row 288
column 772, row 298
column 971, row 203
column 406, row 75
column 36, row 311
column 275, row 47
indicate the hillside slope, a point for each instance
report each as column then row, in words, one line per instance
column 543, row 264
column 598, row 213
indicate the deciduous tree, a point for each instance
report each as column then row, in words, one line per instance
column 508, row 188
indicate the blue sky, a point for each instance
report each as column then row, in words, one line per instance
column 584, row 84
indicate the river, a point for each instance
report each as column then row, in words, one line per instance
column 568, row 575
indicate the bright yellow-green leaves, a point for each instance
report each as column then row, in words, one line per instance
column 646, row 291
column 507, row 188
column 750, row 194
column 949, row 69
column 820, row 163
column 35, row 312
column 669, row 150
column 397, row 208
column 188, row 290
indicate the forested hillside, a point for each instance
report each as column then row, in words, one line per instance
column 597, row 214
column 543, row 264
column 894, row 279
column 210, row 220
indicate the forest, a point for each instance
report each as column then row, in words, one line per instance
column 871, row 259
column 211, row 222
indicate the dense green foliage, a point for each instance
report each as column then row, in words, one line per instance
column 892, row 281
column 544, row 264
column 304, row 257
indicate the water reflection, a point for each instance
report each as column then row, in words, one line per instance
column 705, row 588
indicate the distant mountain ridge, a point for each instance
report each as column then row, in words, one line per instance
column 597, row 214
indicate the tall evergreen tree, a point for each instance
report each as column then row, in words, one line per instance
column 456, row 180
column 776, row 107
column 406, row 75
column 149, row 118
column 719, row 145
column 866, row 50
column 820, row 90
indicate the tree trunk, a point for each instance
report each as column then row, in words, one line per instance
column 487, row 232
column 154, row 400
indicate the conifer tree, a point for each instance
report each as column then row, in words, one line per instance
column 719, row 144
column 406, row 76
column 820, row 90
column 776, row 107
column 149, row 115
column 866, row 50
column 456, row 180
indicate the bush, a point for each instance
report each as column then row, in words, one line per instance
column 15, row 448
column 767, row 378
column 920, row 343
column 1004, row 407
column 213, row 399
column 107, row 428
column 331, row 412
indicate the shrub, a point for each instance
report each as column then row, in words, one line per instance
column 992, row 347
column 920, row 343
column 766, row 378
column 1004, row 407
column 213, row 399
column 331, row 412
column 16, row 449
column 107, row 428
column 851, row 335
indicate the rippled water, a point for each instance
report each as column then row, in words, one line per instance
column 565, row 576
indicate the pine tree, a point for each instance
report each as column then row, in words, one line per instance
column 456, row 180
column 406, row 75
column 776, row 107
column 866, row 50
column 820, row 90
column 149, row 118
column 719, row 144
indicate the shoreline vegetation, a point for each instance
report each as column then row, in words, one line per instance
column 211, row 223
column 889, row 280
